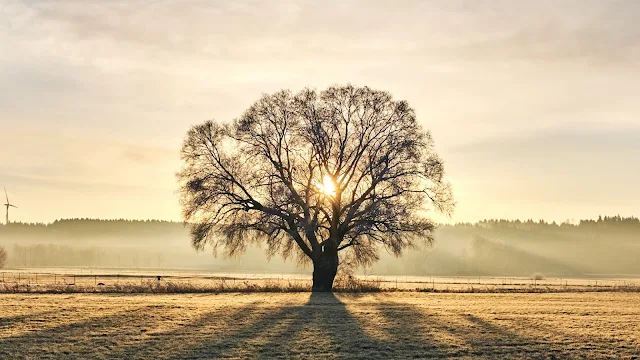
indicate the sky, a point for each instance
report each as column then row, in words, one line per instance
column 533, row 105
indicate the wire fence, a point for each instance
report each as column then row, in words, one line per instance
column 88, row 279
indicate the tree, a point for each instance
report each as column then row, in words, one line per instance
column 3, row 257
column 344, row 171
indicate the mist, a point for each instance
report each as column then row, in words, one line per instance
column 604, row 247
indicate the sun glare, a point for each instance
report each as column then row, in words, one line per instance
column 328, row 187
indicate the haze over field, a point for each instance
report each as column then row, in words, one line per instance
column 608, row 247
column 532, row 105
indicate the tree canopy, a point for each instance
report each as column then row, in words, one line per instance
column 346, row 169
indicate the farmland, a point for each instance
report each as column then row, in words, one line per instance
column 302, row 325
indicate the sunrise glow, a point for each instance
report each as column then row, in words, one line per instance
column 328, row 186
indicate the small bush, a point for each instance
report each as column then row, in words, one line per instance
column 349, row 283
column 538, row 276
column 3, row 257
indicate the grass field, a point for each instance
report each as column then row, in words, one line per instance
column 303, row 325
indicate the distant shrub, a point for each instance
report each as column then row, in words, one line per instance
column 348, row 283
column 3, row 257
column 538, row 276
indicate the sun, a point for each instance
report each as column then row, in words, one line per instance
column 328, row 187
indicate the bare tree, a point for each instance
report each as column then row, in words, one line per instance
column 3, row 257
column 344, row 171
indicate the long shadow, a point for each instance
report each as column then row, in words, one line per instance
column 469, row 336
column 412, row 333
column 346, row 333
column 254, row 332
column 462, row 335
column 574, row 340
column 322, row 327
column 72, row 340
column 341, row 331
column 10, row 320
column 203, row 337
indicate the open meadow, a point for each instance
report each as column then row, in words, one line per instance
column 319, row 325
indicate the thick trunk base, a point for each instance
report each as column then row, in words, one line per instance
column 324, row 272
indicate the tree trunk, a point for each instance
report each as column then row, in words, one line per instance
column 325, row 268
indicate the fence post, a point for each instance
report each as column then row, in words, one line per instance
column 95, row 280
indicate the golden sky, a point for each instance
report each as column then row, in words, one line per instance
column 533, row 104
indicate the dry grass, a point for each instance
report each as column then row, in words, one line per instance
column 38, row 280
column 347, row 284
column 303, row 325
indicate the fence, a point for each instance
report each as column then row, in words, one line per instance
column 86, row 279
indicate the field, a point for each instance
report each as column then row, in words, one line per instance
column 303, row 325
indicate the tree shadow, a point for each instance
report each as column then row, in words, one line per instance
column 77, row 339
column 258, row 332
column 321, row 327
column 468, row 335
column 326, row 325
column 11, row 320
column 207, row 336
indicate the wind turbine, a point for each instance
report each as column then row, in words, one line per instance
column 8, row 204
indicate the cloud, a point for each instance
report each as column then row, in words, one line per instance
column 596, row 168
column 148, row 155
column 157, row 34
column 102, row 92
column 552, row 145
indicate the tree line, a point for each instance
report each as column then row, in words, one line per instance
column 158, row 229
column 489, row 247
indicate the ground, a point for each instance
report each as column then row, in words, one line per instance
column 303, row 325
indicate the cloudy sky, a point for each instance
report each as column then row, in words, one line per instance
column 534, row 105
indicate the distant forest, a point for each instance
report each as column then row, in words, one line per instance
column 608, row 245
column 88, row 229
column 96, row 228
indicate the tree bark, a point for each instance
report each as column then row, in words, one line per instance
column 325, row 267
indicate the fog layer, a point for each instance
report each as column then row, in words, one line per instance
column 608, row 246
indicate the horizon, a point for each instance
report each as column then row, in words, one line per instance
column 574, row 222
